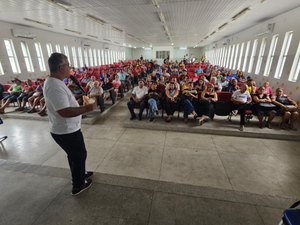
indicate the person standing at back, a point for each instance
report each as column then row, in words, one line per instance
column 65, row 120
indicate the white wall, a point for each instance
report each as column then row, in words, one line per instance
column 283, row 23
column 43, row 37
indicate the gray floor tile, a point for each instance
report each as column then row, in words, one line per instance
column 270, row 216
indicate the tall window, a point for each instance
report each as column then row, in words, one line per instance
column 252, row 55
column 105, row 55
column 261, row 55
column 49, row 49
column 241, row 55
column 1, row 69
column 220, row 56
column 111, row 56
column 95, row 57
column 246, row 55
column 99, row 57
column 231, row 57
column 85, row 55
column 224, row 56
column 12, row 56
column 27, row 57
column 124, row 56
column 235, row 56
column 283, row 54
column 66, row 49
column 40, row 56
column 228, row 56
column 57, row 47
column 271, row 55
column 80, row 57
column 91, row 57
column 74, row 57
column 296, row 66
column 102, row 57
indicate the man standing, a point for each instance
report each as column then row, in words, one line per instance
column 65, row 120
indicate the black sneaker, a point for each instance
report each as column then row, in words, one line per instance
column 88, row 174
column 87, row 184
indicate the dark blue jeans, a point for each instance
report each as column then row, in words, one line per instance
column 73, row 145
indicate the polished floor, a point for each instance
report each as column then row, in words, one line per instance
column 148, row 176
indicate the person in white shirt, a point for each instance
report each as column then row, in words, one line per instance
column 139, row 94
column 241, row 100
column 65, row 120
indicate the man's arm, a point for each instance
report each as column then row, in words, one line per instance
column 76, row 111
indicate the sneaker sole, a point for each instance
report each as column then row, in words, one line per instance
column 82, row 190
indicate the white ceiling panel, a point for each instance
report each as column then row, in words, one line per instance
column 186, row 22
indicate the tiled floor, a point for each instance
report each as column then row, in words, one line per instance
column 146, row 176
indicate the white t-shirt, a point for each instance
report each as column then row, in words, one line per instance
column 58, row 96
column 239, row 96
column 140, row 92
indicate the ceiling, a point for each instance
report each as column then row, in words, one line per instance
column 144, row 23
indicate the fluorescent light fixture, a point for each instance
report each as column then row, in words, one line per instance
column 116, row 42
column 147, row 49
column 212, row 33
column 183, row 48
column 93, row 36
column 161, row 17
column 134, row 47
column 95, row 19
column 206, row 37
column 129, row 46
column 104, row 39
column 130, row 35
column 150, row 46
column 73, row 31
column 172, row 43
column 238, row 15
column 117, row 29
column 62, row 4
column 154, row 2
column 222, row 26
column 124, row 44
column 39, row 22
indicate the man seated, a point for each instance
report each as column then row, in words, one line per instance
column 27, row 92
column 139, row 94
column 108, row 90
column 96, row 93
column 13, row 93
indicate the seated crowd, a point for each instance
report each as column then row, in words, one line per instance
column 195, row 89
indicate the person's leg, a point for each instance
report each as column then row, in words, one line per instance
column 73, row 144
column 285, row 118
column 293, row 119
column 112, row 96
column 100, row 101
column 142, row 107
column 130, row 106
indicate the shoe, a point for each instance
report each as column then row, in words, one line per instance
column 132, row 117
column 242, row 128
column 201, row 121
column 157, row 112
column 268, row 125
column 260, row 125
column 88, row 174
column 195, row 116
column 140, row 117
column 151, row 119
column 168, row 120
column 87, row 184
column 185, row 120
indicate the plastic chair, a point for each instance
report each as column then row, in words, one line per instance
column 4, row 137
column 291, row 216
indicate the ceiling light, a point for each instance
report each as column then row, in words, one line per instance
column 238, row 15
column 161, row 17
column 183, row 48
column 93, row 36
column 147, row 49
column 95, row 19
column 73, row 31
column 38, row 22
column 104, row 39
column 172, row 43
column 117, row 29
column 206, row 37
column 154, row 2
column 62, row 4
column 212, row 33
column 222, row 26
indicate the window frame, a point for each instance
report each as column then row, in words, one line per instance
column 40, row 56
column 12, row 56
column 27, row 57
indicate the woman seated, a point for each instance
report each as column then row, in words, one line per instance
column 206, row 104
column 172, row 101
column 189, row 95
column 154, row 95
column 34, row 100
column 27, row 92
column 13, row 93
column 263, row 107
column 287, row 107
column 200, row 84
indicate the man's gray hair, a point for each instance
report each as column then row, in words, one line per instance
column 55, row 60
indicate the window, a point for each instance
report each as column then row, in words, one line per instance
column 74, row 57
column 80, row 57
column 111, row 56
column 99, row 58
column 224, row 56
column 254, row 47
column 261, row 55
column 228, row 56
column 95, row 57
column 49, row 49
column 12, row 56
column 124, row 56
column 235, row 57
column 102, row 57
column 27, row 57
column 220, row 57
column 283, row 54
column 232, row 55
column 296, row 66
column 105, row 56
column 241, row 55
column 246, row 55
column 162, row 54
column 108, row 56
column 271, row 55
column 40, row 56
column 1, row 69
column 66, row 49
column 91, row 57
column 57, row 47
column 85, row 55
